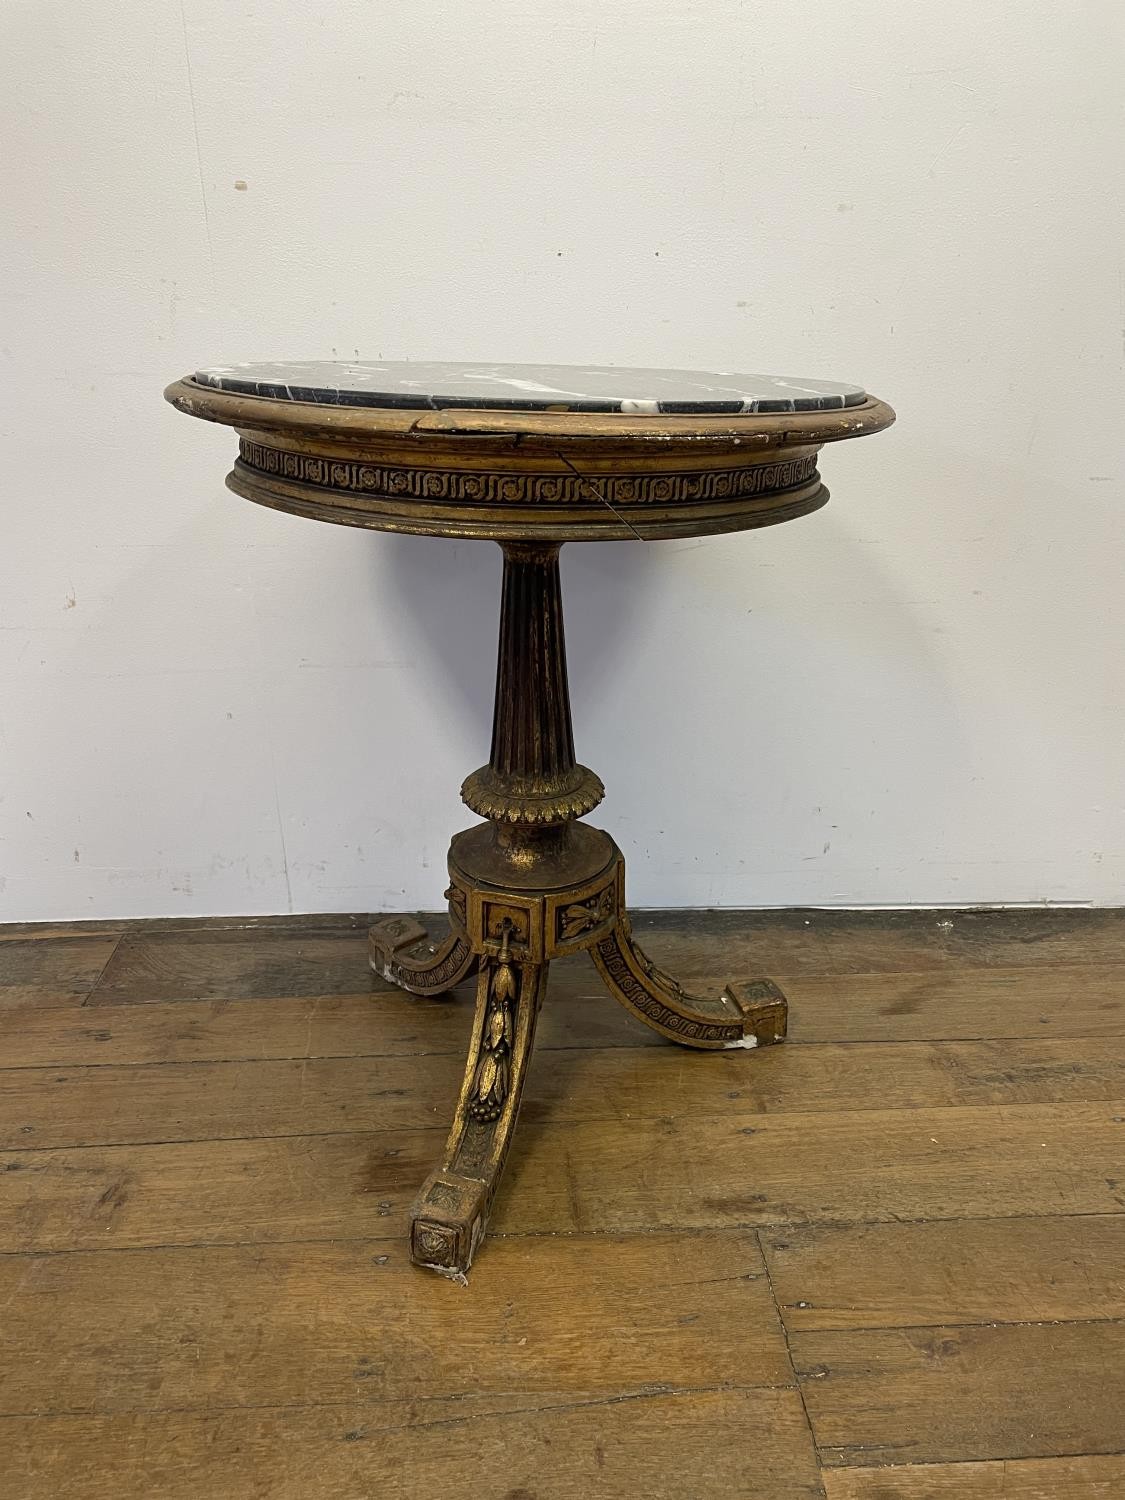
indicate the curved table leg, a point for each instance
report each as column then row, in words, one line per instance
column 400, row 950
column 744, row 1015
column 451, row 1211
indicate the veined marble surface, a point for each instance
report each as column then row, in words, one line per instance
column 528, row 387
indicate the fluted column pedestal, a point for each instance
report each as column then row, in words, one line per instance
column 530, row 884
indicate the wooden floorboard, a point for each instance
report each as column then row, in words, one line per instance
column 590, row 1176
column 112, row 1105
column 229, row 965
column 883, row 1262
column 965, row 1004
column 1089, row 1477
column 679, row 1446
column 61, row 972
column 933, row 1395
column 208, row 1328
column 849, row 1276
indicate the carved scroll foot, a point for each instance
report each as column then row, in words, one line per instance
column 399, row 950
column 451, row 1212
column 752, row 1014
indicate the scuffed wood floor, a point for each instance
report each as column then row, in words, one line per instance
column 883, row 1262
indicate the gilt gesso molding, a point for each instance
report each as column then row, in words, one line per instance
column 495, row 487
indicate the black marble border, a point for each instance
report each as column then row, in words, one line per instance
column 325, row 396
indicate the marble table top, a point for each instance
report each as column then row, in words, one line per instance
column 593, row 388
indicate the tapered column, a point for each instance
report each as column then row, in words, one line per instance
column 532, row 779
column 532, row 732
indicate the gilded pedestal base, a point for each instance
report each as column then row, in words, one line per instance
column 530, row 884
column 512, row 932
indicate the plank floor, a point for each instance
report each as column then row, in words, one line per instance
column 883, row 1262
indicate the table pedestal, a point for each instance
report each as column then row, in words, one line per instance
column 528, row 885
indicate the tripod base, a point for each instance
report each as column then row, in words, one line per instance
column 511, row 928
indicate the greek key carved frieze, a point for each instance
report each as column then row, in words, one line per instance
column 638, row 995
column 495, row 488
column 415, row 970
column 450, row 966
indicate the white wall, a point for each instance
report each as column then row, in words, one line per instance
column 915, row 696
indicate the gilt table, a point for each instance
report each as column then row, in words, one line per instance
column 531, row 457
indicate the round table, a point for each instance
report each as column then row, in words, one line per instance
column 531, row 457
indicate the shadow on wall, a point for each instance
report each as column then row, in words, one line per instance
column 823, row 701
column 824, row 676
column 449, row 592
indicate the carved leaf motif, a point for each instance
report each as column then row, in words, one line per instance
column 457, row 900
column 500, row 1087
column 497, row 1027
column 577, row 919
column 487, row 1076
column 504, row 984
column 492, row 1080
